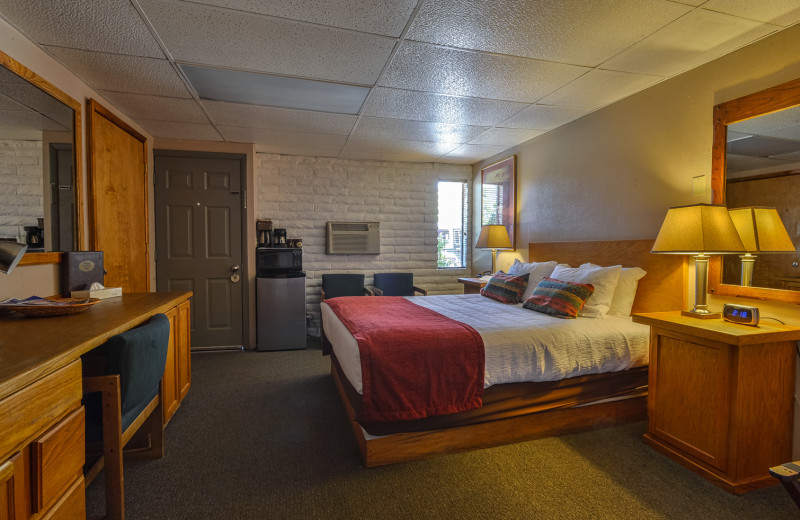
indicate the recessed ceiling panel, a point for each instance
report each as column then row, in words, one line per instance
column 176, row 130
column 507, row 137
column 430, row 68
column 388, row 18
column 278, row 91
column 599, row 88
column 254, row 116
column 276, row 137
column 107, row 26
column 234, row 39
column 142, row 106
column 383, row 128
column 779, row 12
column 577, row 32
column 697, row 38
column 544, row 117
column 424, row 106
column 132, row 74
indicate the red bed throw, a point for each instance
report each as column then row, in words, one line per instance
column 415, row 362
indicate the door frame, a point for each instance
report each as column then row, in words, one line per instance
column 242, row 158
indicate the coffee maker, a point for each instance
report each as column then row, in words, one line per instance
column 279, row 237
column 34, row 237
column 264, row 233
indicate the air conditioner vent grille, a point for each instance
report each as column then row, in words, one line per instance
column 353, row 238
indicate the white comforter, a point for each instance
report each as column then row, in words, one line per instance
column 520, row 344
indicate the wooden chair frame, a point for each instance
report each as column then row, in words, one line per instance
column 114, row 439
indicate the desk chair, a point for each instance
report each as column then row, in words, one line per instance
column 128, row 401
column 788, row 474
column 335, row 285
column 396, row 284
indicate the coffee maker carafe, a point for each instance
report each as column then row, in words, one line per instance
column 279, row 237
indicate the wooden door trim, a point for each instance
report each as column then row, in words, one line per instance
column 95, row 109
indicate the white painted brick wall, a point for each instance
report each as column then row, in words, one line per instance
column 21, row 178
column 301, row 194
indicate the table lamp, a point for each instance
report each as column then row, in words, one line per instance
column 761, row 231
column 698, row 230
column 10, row 255
column 494, row 237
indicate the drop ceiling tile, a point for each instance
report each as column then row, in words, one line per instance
column 178, row 130
column 141, row 106
column 792, row 132
column 256, row 116
column 387, row 18
column 544, row 117
column 397, row 146
column 234, row 39
column 283, row 138
column 738, row 163
column 303, row 151
column 697, row 38
column 769, row 122
column 402, row 129
column 599, row 88
column 424, row 106
column 364, row 155
column 778, row 12
column 507, row 137
column 107, row 26
column 578, row 32
column 474, row 152
column 133, row 74
column 430, row 68
column 29, row 120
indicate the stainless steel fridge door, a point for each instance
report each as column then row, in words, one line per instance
column 281, row 312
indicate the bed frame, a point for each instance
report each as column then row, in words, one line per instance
column 662, row 289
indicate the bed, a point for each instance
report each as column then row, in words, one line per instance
column 513, row 408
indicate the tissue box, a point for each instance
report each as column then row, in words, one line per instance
column 108, row 292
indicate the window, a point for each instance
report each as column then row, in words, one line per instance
column 453, row 225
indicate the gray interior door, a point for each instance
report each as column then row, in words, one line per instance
column 198, row 206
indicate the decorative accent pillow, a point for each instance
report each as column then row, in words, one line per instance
column 505, row 288
column 604, row 280
column 559, row 298
column 625, row 293
column 535, row 270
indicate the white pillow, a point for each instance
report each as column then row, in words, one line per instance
column 625, row 292
column 604, row 280
column 536, row 271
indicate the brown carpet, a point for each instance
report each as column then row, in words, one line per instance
column 262, row 435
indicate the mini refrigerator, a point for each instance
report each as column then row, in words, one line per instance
column 280, row 304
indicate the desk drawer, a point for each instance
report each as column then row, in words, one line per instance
column 72, row 506
column 57, row 459
column 31, row 410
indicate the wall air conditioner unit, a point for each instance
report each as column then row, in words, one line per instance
column 353, row 238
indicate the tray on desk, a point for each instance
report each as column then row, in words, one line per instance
column 42, row 307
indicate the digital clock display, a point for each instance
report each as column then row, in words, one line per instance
column 740, row 313
column 744, row 314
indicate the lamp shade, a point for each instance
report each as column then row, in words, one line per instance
column 493, row 236
column 698, row 228
column 761, row 230
column 10, row 255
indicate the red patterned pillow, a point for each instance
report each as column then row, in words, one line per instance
column 558, row 298
column 505, row 288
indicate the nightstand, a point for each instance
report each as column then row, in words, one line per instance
column 721, row 396
column 472, row 285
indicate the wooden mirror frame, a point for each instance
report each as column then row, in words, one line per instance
column 77, row 152
column 767, row 101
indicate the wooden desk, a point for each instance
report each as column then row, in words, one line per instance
column 41, row 417
column 791, row 283
column 472, row 285
column 721, row 396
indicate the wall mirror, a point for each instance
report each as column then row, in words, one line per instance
column 756, row 162
column 40, row 150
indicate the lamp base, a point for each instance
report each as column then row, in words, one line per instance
column 702, row 315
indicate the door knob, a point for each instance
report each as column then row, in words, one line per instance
column 235, row 277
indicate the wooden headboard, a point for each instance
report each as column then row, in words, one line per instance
column 662, row 289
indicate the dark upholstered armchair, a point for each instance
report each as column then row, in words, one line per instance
column 335, row 285
column 125, row 400
column 396, row 284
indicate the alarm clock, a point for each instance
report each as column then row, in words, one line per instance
column 743, row 314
